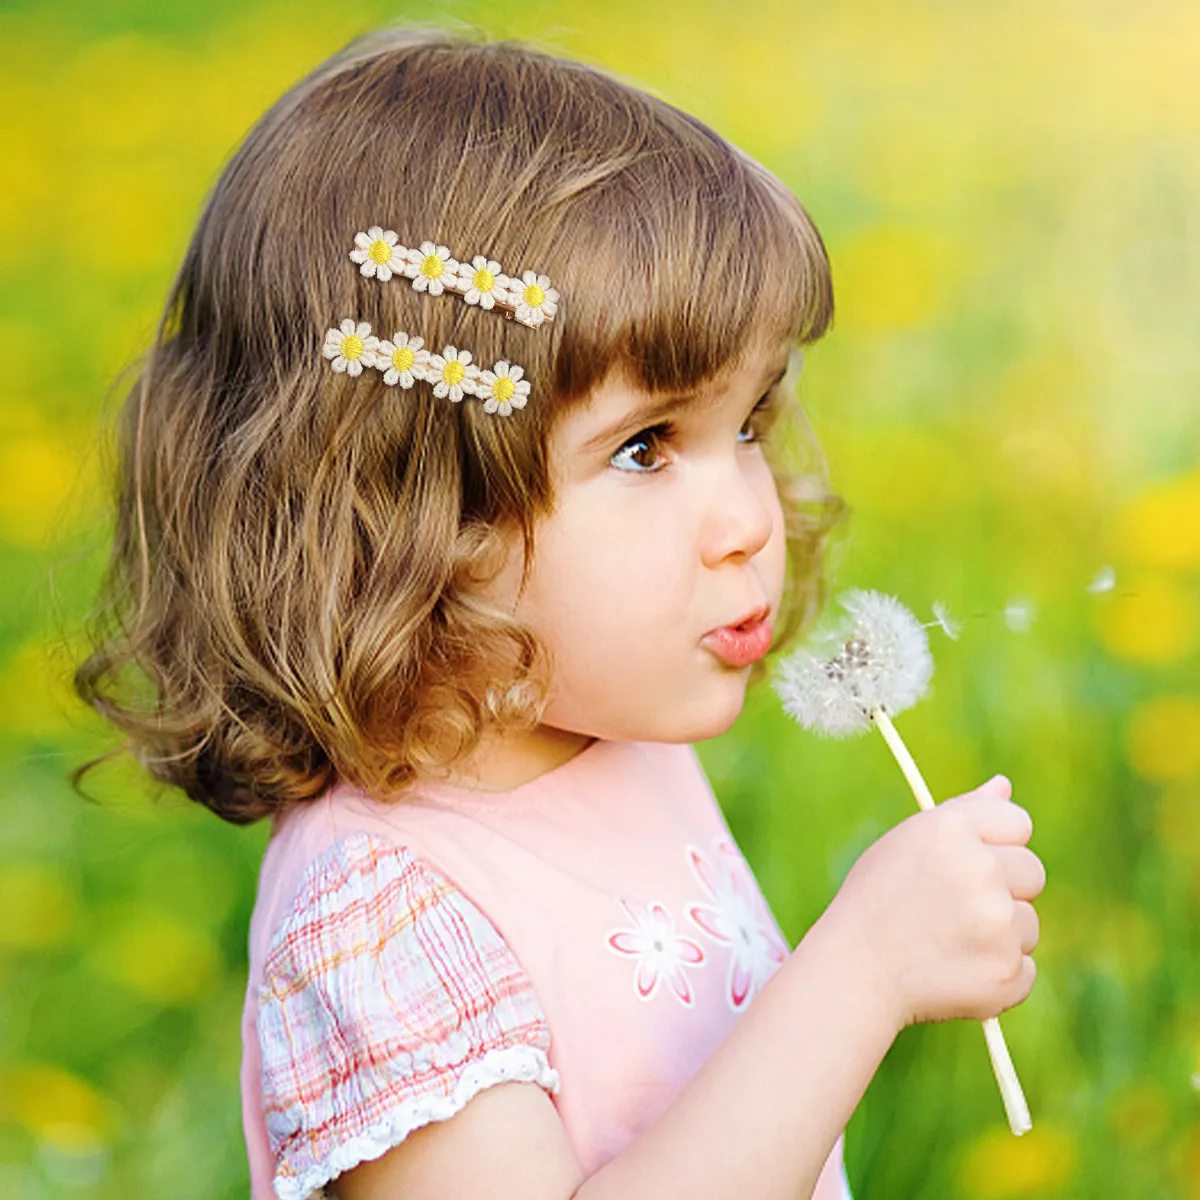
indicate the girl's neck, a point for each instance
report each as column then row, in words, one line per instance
column 503, row 762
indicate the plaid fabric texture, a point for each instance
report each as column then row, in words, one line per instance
column 388, row 1001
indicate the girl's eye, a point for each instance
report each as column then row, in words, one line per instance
column 759, row 422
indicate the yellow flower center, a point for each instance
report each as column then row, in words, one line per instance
column 504, row 388
column 432, row 266
column 484, row 280
column 453, row 372
column 352, row 347
column 380, row 252
column 403, row 358
column 534, row 295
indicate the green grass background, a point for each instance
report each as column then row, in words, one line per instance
column 1010, row 401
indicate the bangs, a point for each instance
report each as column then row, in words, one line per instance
column 679, row 263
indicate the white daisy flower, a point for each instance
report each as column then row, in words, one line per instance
column 535, row 298
column 483, row 282
column 351, row 347
column 402, row 360
column 502, row 388
column 452, row 373
column 431, row 268
column 378, row 253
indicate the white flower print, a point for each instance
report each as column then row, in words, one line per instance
column 378, row 253
column 452, row 373
column 351, row 347
column 502, row 388
column 402, row 360
column 483, row 282
column 535, row 298
column 738, row 918
column 431, row 268
column 660, row 951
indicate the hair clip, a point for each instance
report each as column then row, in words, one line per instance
column 403, row 360
column 528, row 298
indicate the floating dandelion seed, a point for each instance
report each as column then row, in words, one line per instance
column 1019, row 615
column 1104, row 581
column 867, row 670
column 942, row 618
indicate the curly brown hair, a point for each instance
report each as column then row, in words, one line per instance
column 295, row 551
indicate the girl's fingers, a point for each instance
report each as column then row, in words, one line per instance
column 1027, row 922
column 1023, row 869
column 994, row 817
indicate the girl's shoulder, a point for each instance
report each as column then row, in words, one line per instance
column 385, row 1000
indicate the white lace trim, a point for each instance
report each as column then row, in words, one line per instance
column 501, row 1065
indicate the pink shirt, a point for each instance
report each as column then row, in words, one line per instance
column 595, row 931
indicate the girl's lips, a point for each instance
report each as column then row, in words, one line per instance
column 740, row 645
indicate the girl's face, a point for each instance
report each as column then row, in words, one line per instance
column 655, row 542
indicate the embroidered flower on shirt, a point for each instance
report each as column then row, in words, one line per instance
column 660, row 951
column 737, row 918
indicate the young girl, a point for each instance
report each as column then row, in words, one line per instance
column 450, row 519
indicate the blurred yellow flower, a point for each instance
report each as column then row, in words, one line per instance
column 998, row 1166
column 38, row 904
column 897, row 472
column 35, row 693
column 38, row 470
column 1127, row 943
column 1187, row 1162
column 1153, row 620
column 1161, row 527
column 155, row 954
column 1179, row 822
column 891, row 277
column 57, row 1106
column 1162, row 738
column 1140, row 1112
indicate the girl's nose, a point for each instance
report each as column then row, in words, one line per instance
column 740, row 514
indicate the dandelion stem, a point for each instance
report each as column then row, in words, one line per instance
column 1015, row 1107
column 920, row 789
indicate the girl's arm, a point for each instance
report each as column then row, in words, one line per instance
column 767, row 1106
column 932, row 923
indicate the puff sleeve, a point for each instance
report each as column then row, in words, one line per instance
column 388, row 1000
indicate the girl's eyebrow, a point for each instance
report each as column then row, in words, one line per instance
column 631, row 422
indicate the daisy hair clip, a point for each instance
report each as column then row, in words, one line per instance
column 402, row 360
column 528, row 298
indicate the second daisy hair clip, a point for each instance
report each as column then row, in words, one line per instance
column 403, row 360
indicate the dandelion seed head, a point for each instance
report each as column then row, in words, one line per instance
column 875, row 658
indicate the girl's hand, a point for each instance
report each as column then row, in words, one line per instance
column 939, row 907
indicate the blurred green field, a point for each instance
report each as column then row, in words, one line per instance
column 1010, row 402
